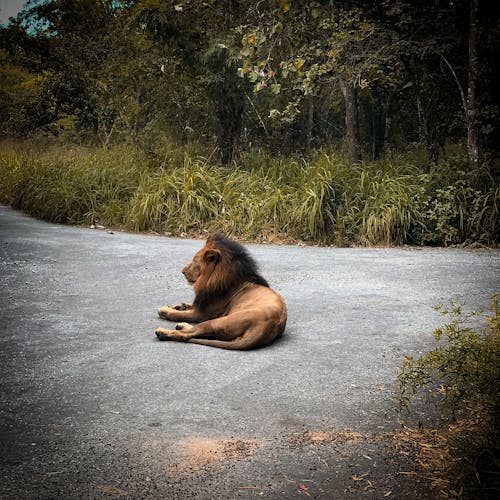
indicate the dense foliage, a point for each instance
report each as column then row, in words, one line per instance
column 315, row 107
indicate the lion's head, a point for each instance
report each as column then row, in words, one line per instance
column 219, row 267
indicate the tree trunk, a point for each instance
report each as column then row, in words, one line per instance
column 469, row 103
column 377, row 112
column 472, row 142
column 229, row 99
column 387, row 121
column 353, row 140
column 231, row 120
column 309, row 123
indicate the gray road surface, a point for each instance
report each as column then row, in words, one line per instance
column 93, row 406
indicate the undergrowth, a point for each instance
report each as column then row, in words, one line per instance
column 322, row 199
column 462, row 378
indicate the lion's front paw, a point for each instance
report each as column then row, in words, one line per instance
column 183, row 307
column 165, row 312
column 185, row 327
column 162, row 334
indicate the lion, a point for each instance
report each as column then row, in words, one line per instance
column 234, row 307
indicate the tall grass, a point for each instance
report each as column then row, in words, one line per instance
column 322, row 200
column 75, row 185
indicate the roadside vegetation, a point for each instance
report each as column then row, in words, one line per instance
column 460, row 380
column 348, row 123
column 321, row 199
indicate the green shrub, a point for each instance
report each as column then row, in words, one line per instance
column 460, row 206
column 462, row 377
column 460, row 213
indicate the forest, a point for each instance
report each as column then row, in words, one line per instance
column 359, row 122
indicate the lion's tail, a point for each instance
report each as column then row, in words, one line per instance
column 239, row 344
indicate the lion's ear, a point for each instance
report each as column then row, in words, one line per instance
column 212, row 256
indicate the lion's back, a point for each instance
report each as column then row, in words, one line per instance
column 261, row 301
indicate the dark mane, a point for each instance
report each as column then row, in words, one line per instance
column 243, row 265
column 235, row 267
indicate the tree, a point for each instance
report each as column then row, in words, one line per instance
column 200, row 37
column 442, row 42
column 369, row 73
column 312, row 45
column 471, row 106
column 65, row 43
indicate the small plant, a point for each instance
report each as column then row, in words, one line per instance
column 462, row 375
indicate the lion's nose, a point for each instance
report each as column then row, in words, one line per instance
column 184, row 271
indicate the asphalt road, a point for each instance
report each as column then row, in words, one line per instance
column 94, row 406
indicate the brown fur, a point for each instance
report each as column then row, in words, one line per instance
column 234, row 308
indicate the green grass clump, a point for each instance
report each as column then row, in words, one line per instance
column 381, row 204
column 321, row 199
column 202, row 197
column 178, row 199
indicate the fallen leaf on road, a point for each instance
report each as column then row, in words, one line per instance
column 304, row 489
column 357, row 478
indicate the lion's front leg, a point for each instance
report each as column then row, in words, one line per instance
column 231, row 332
column 226, row 328
column 181, row 312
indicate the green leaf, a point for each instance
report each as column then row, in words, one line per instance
column 275, row 88
column 299, row 62
column 277, row 28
